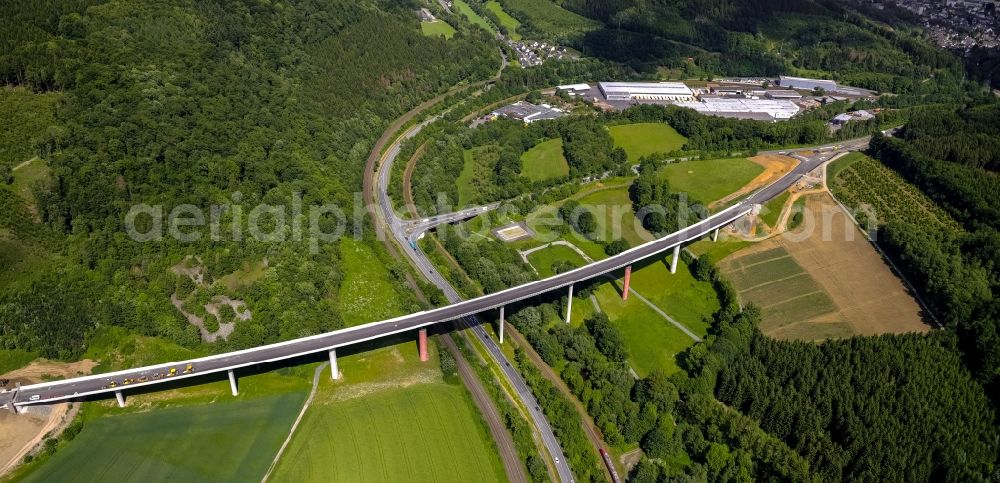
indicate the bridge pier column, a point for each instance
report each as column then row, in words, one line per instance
column 677, row 255
column 628, row 276
column 121, row 399
column 569, row 303
column 334, row 371
column 715, row 235
column 422, row 341
column 501, row 324
column 232, row 383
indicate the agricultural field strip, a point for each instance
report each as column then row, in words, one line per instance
column 291, row 432
column 771, row 282
column 801, row 308
column 792, row 299
column 745, row 267
column 781, row 291
column 759, row 257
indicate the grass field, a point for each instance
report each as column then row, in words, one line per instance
column 366, row 293
column 643, row 139
column 652, row 341
column 772, row 209
column 551, row 19
column 390, row 418
column 437, row 28
column 706, row 181
column 423, row 433
column 188, row 433
column 508, row 22
column 615, row 218
column 717, row 250
column 543, row 259
column 11, row 359
column 224, row 441
column 20, row 264
column 26, row 176
column 471, row 14
column 464, row 182
column 544, row 161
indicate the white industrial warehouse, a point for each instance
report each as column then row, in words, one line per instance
column 760, row 109
column 789, row 82
column 646, row 91
column 740, row 102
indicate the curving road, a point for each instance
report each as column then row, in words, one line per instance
column 460, row 309
column 95, row 384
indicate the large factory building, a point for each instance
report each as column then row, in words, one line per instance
column 804, row 83
column 646, row 91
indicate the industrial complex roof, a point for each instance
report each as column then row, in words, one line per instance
column 744, row 108
column 527, row 112
column 574, row 87
column 647, row 88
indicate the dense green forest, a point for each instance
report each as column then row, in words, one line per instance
column 202, row 103
column 755, row 38
column 950, row 154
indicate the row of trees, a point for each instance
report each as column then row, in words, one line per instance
column 955, row 271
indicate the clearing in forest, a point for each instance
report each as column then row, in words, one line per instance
column 471, row 14
column 508, row 22
column 437, row 28
column 643, row 139
column 549, row 18
column 544, row 161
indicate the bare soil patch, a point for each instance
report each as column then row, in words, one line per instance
column 867, row 297
column 21, row 433
column 871, row 298
column 774, row 167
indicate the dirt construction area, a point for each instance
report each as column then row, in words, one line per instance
column 823, row 280
column 774, row 167
column 19, row 433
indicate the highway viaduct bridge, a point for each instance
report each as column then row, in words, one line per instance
column 115, row 382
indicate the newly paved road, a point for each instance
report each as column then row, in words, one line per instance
column 97, row 384
column 58, row 390
column 406, row 233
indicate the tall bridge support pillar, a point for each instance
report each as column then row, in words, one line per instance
column 121, row 399
column 715, row 235
column 628, row 276
column 422, row 341
column 677, row 255
column 569, row 303
column 334, row 371
column 232, row 383
column 501, row 324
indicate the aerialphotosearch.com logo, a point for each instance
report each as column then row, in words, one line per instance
column 325, row 223
column 187, row 223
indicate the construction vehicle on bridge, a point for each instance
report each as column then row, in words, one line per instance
column 189, row 369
